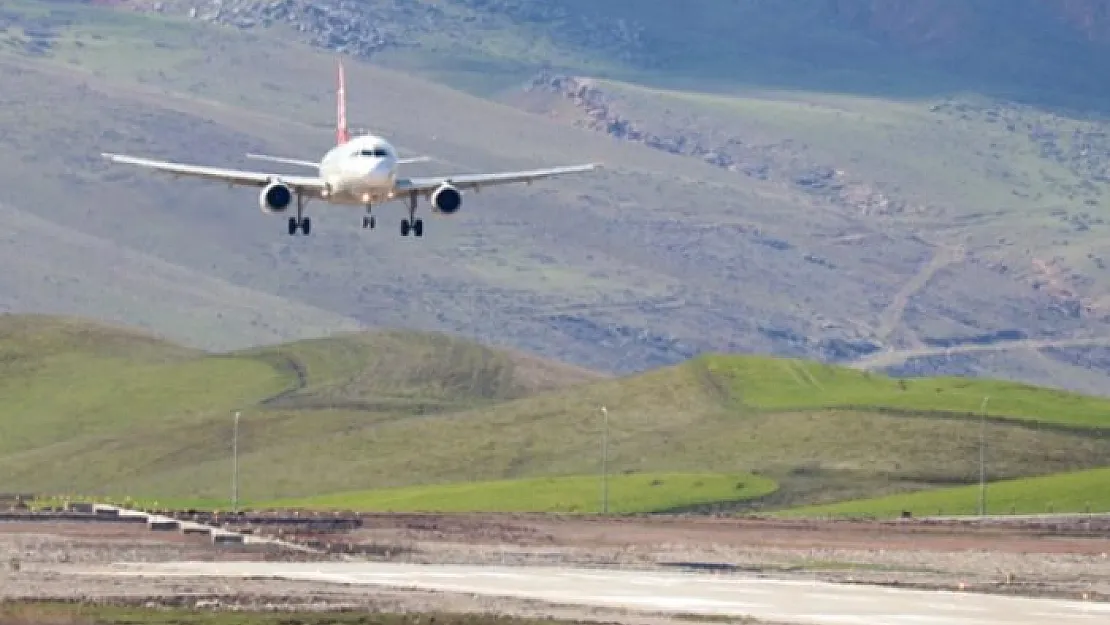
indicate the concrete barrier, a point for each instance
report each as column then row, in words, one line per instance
column 163, row 524
column 226, row 538
column 219, row 536
column 105, row 511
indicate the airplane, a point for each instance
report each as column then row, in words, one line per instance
column 360, row 170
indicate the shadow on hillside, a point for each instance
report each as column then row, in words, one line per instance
column 1069, row 89
column 1024, row 51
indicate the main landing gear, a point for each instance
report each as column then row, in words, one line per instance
column 368, row 220
column 410, row 225
column 416, row 226
column 304, row 224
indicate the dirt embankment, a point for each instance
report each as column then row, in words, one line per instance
column 1058, row 559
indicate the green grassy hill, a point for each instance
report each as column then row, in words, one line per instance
column 110, row 412
column 1081, row 491
column 957, row 230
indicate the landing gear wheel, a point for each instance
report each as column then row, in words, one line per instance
column 300, row 221
column 412, row 223
column 368, row 222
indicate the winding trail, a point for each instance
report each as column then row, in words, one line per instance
column 891, row 317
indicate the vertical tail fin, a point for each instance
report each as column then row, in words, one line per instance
column 341, row 133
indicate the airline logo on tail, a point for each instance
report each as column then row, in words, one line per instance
column 341, row 134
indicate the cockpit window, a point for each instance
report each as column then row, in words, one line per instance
column 373, row 152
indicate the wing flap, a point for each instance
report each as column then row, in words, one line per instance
column 472, row 181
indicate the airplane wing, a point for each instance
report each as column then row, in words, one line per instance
column 305, row 184
column 285, row 160
column 476, row 181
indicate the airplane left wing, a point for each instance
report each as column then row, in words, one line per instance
column 305, row 184
column 476, row 181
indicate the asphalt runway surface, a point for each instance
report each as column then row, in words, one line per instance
column 780, row 601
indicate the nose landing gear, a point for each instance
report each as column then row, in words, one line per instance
column 409, row 225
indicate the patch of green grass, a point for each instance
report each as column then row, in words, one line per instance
column 635, row 493
column 47, row 613
column 1083, row 491
column 64, row 379
column 405, row 370
column 786, row 384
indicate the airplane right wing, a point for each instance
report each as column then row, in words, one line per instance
column 476, row 181
column 308, row 185
column 283, row 159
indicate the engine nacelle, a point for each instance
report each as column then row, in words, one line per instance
column 446, row 200
column 275, row 198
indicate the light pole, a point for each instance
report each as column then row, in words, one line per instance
column 235, row 465
column 605, row 461
column 983, row 456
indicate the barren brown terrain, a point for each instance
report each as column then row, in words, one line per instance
column 1047, row 559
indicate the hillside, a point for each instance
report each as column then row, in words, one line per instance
column 104, row 411
column 1082, row 491
column 1035, row 50
column 961, row 234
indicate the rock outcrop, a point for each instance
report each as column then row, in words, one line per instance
column 777, row 162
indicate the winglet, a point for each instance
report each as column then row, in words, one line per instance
column 342, row 135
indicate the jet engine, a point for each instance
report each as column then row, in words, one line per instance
column 446, row 200
column 275, row 198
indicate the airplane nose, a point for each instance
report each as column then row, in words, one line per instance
column 378, row 171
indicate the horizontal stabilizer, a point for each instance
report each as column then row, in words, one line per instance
column 281, row 159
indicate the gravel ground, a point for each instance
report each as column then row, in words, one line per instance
column 29, row 553
column 1061, row 559
column 990, row 559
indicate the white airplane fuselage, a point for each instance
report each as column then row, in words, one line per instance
column 360, row 171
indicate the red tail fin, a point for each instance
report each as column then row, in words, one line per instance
column 341, row 134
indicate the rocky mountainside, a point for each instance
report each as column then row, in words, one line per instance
column 1005, row 46
column 777, row 161
column 911, row 234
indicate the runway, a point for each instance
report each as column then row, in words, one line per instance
column 782, row 601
